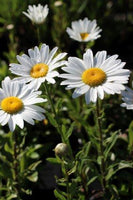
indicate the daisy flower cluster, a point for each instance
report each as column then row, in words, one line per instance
column 17, row 98
column 94, row 75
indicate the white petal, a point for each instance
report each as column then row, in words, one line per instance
column 87, row 97
column 79, row 91
column 93, row 94
column 88, row 59
column 11, row 124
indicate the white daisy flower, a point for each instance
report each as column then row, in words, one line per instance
column 84, row 30
column 39, row 66
column 127, row 98
column 37, row 14
column 94, row 76
column 17, row 104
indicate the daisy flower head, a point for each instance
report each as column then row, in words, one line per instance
column 17, row 104
column 127, row 97
column 37, row 14
column 84, row 30
column 39, row 66
column 95, row 75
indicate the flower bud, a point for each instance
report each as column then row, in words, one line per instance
column 45, row 122
column 61, row 149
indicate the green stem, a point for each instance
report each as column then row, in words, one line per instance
column 52, row 107
column 67, row 178
column 83, row 47
column 101, row 150
column 38, row 34
column 15, row 167
column 57, row 120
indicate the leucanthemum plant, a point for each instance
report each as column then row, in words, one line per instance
column 37, row 14
column 95, row 75
column 17, row 104
column 84, row 30
column 39, row 66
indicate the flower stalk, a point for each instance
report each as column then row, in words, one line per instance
column 63, row 138
column 15, row 167
column 101, row 148
column 38, row 34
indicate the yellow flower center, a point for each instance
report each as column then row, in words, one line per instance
column 39, row 70
column 93, row 77
column 84, row 35
column 11, row 105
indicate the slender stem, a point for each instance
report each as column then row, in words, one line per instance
column 53, row 110
column 82, row 47
column 83, row 179
column 15, row 167
column 67, row 178
column 57, row 120
column 38, row 34
column 101, row 150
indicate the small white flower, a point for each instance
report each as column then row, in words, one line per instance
column 17, row 104
column 95, row 75
column 39, row 66
column 127, row 98
column 37, row 14
column 84, row 30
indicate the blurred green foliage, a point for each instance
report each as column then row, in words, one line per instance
column 17, row 34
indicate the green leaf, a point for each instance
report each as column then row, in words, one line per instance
column 110, row 142
column 70, row 130
column 33, row 177
column 34, row 165
column 58, row 104
column 53, row 160
column 113, row 170
column 34, row 155
column 92, row 180
column 87, row 149
column 63, row 128
column 12, row 196
column 52, row 120
column 8, row 149
column 58, row 195
column 130, row 137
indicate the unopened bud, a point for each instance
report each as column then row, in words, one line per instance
column 45, row 122
column 112, row 157
column 61, row 149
